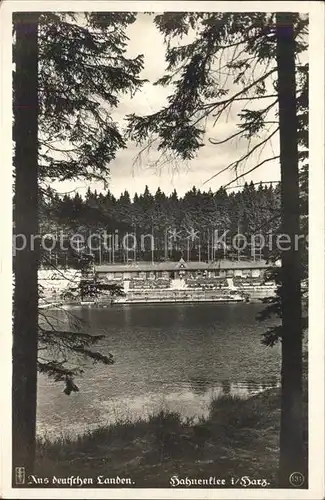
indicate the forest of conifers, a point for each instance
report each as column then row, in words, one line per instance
column 188, row 226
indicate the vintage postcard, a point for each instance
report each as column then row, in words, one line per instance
column 163, row 249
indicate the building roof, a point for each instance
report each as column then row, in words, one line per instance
column 174, row 266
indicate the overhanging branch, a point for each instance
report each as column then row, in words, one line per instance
column 251, row 170
column 243, row 158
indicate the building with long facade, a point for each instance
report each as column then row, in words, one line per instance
column 182, row 270
column 222, row 280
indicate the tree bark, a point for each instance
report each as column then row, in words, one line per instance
column 291, row 440
column 25, row 321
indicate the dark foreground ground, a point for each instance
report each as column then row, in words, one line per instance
column 239, row 438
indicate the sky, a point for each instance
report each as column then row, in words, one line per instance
column 126, row 173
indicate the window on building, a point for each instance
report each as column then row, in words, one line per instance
column 247, row 273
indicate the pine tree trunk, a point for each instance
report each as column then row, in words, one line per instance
column 25, row 323
column 291, row 442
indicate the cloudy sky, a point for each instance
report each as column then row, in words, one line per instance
column 127, row 174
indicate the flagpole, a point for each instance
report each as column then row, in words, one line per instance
column 152, row 246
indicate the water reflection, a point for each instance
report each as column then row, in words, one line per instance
column 167, row 356
column 105, row 410
column 226, row 387
column 200, row 385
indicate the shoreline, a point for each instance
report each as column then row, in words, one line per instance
column 174, row 297
column 107, row 305
column 240, row 437
column 195, row 417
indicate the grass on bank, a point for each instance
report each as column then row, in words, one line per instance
column 239, row 437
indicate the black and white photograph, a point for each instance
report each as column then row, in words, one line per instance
column 161, row 268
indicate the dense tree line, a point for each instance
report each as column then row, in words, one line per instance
column 201, row 225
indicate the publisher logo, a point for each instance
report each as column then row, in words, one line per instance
column 20, row 475
column 296, row 479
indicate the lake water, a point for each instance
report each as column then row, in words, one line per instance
column 167, row 356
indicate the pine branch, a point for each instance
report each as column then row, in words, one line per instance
column 254, row 184
column 217, row 143
column 237, row 162
column 251, row 170
column 252, row 98
column 213, row 106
